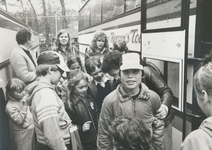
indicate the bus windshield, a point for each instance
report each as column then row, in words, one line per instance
column 21, row 10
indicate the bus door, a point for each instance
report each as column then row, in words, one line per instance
column 168, row 29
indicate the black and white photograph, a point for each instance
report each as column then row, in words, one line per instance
column 105, row 75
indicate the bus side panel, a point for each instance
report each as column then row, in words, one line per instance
column 7, row 44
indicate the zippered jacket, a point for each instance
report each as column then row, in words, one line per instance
column 119, row 103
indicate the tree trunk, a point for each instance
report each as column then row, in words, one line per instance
column 64, row 21
column 47, row 28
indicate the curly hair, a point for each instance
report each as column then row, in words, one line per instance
column 130, row 134
column 111, row 61
column 57, row 41
column 99, row 34
column 23, row 35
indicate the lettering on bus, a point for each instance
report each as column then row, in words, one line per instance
column 132, row 37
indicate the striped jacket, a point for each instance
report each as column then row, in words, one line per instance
column 46, row 105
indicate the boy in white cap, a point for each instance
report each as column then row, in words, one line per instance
column 152, row 78
column 50, row 118
column 131, row 99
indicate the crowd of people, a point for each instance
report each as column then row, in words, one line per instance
column 116, row 100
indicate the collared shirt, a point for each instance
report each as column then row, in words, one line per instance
column 102, row 83
column 27, row 51
column 23, row 47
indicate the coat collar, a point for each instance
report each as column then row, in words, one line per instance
column 124, row 96
column 23, row 47
column 76, row 99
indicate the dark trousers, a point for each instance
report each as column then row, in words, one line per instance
column 40, row 146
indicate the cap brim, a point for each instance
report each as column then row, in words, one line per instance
column 127, row 67
column 63, row 67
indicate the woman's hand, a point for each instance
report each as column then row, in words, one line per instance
column 86, row 126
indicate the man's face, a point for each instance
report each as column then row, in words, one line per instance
column 115, row 74
column 131, row 79
column 97, row 74
column 31, row 40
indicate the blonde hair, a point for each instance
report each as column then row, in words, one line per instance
column 14, row 85
column 74, row 78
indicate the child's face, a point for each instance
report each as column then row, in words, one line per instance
column 18, row 95
column 81, row 88
column 75, row 66
column 97, row 74
column 131, row 79
column 56, row 75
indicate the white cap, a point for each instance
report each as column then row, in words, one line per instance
column 131, row 61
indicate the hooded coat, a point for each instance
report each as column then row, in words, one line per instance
column 45, row 104
column 200, row 139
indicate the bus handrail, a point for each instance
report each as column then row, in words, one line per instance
column 4, row 64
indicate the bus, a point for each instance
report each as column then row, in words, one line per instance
column 12, row 18
column 173, row 34
column 113, row 17
column 14, row 15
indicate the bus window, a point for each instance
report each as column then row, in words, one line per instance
column 130, row 4
column 3, row 5
column 95, row 11
column 84, row 17
column 172, row 78
column 163, row 14
column 107, row 10
column 118, row 7
column 22, row 11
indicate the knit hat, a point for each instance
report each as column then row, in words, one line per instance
column 131, row 61
column 52, row 58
